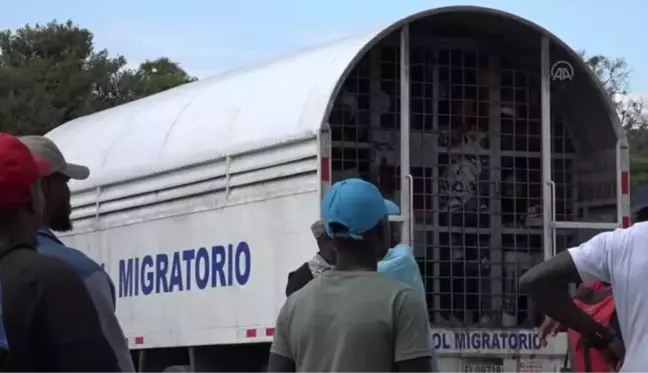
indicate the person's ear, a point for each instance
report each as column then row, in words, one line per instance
column 37, row 198
column 379, row 239
column 380, row 250
column 45, row 186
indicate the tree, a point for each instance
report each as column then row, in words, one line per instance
column 634, row 116
column 50, row 74
column 614, row 75
column 152, row 77
column 612, row 72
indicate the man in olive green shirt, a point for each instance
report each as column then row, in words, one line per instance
column 351, row 318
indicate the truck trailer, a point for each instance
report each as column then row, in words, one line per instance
column 493, row 136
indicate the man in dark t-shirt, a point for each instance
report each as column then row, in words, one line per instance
column 50, row 321
column 321, row 262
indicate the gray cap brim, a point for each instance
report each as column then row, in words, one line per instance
column 76, row 172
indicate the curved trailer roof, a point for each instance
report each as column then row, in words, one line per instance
column 288, row 99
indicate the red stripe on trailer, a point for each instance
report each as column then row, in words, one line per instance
column 269, row 332
column 625, row 182
column 625, row 223
column 139, row 340
column 325, row 169
column 250, row 333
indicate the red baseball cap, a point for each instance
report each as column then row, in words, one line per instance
column 18, row 171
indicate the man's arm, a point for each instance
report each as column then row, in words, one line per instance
column 281, row 357
column 100, row 289
column 298, row 279
column 70, row 322
column 278, row 363
column 412, row 349
column 547, row 283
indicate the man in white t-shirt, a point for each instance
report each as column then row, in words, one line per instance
column 619, row 257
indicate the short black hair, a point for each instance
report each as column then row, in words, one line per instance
column 355, row 247
column 641, row 215
column 341, row 228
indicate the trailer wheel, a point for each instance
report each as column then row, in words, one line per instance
column 178, row 368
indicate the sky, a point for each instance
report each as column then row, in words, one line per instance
column 211, row 36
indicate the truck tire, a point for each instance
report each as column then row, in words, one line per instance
column 177, row 368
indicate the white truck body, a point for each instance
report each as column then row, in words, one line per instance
column 201, row 197
column 232, row 244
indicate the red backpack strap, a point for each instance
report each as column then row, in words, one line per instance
column 587, row 359
column 589, row 295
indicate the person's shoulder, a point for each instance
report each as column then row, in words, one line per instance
column 389, row 283
column 639, row 229
column 310, row 286
column 407, row 300
column 386, row 286
column 375, row 278
column 37, row 271
column 309, row 290
column 630, row 244
column 54, row 269
column 407, row 292
column 51, row 246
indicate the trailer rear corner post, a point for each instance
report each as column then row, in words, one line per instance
column 547, row 183
column 407, row 227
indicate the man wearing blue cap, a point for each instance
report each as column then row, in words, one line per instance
column 351, row 318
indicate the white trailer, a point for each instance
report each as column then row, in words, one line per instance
column 492, row 134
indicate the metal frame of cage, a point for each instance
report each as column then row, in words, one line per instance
column 378, row 139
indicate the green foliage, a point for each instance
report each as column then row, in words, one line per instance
column 50, row 74
column 614, row 76
column 153, row 77
column 612, row 72
column 639, row 169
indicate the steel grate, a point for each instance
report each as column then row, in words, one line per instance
column 476, row 165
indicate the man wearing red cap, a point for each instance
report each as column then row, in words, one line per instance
column 48, row 323
column 56, row 217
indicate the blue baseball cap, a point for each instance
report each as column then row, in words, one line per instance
column 392, row 208
column 357, row 205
